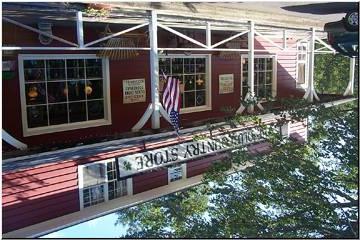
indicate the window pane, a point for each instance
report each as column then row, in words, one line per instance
column 189, row 99
column 189, row 82
column 55, row 70
column 37, row 116
column 57, row 92
column 261, row 64
column 34, row 74
column 268, row 91
column 200, row 65
column 93, row 174
column 177, row 65
column 269, row 63
column 200, row 81
column 189, row 66
column 93, row 72
column 200, row 98
column 35, row 93
column 75, row 73
column 76, row 90
column 34, row 64
column 94, row 89
column 261, row 91
column 244, row 92
column 164, row 66
column 77, row 111
column 58, row 114
column 75, row 63
column 301, row 73
column 268, row 77
column 261, row 78
column 95, row 109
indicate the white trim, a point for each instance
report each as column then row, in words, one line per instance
column 68, row 126
column 13, row 141
column 79, row 29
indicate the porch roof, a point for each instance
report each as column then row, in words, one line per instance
column 223, row 17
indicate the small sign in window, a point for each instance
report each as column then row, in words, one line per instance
column 175, row 173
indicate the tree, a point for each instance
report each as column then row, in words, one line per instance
column 298, row 190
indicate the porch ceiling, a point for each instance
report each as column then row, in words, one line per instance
column 223, row 17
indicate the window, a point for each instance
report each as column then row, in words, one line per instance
column 63, row 92
column 176, row 172
column 264, row 76
column 193, row 72
column 98, row 183
column 302, row 65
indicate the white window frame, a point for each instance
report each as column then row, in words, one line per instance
column 274, row 77
column 129, row 183
column 306, row 61
column 208, row 105
column 184, row 175
column 68, row 126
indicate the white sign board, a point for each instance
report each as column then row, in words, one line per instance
column 226, row 83
column 134, row 91
column 140, row 162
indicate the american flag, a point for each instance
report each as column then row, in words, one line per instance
column 172, row 100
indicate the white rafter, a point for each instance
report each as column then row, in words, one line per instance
column 183, row 36
column 38, row 31
column 268, row 39
column 229, row 39
column 325, row 44
column 116, row 34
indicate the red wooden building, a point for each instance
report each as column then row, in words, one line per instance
column 83, row 90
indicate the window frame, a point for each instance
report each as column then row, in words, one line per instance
column 67, row 126
column 306, row 62
column 274, row 74
column 129, row 183
column 208, row 105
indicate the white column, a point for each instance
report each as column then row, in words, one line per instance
column 251, row 39
column 310, row 92
column 154, row 71
column 350, row 88
column 208, row 35
column 79, row 29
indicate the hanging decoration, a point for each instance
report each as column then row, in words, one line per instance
column 121, row 41
column 45, row 27
column 33, row 93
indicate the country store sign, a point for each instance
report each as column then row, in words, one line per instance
column 139, row 162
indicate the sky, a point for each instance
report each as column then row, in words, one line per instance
column 102, row 227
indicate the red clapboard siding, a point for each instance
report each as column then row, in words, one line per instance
column 38, row 194
column 150, row 180
column 42, row 177
column 200, row 166
column 34, row 186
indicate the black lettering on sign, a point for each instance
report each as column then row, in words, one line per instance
column 140, row 162
column 188, row 152
column 158, row 158
column 174, row 153
column 202, row 150
column 212, row 146
column 149, row 160
column 196, row 150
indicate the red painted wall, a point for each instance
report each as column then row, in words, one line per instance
column 38, row 194
column 124, row 116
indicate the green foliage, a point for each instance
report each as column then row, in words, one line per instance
column 295, row 191
column 331, row 73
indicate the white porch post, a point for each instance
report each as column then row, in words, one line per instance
column 251, row 38
column 154, row 71
column 310, row 91
column 250, row 94
column 155, row 109
column 350, row 88
column 79, row 29
column 208, row 35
